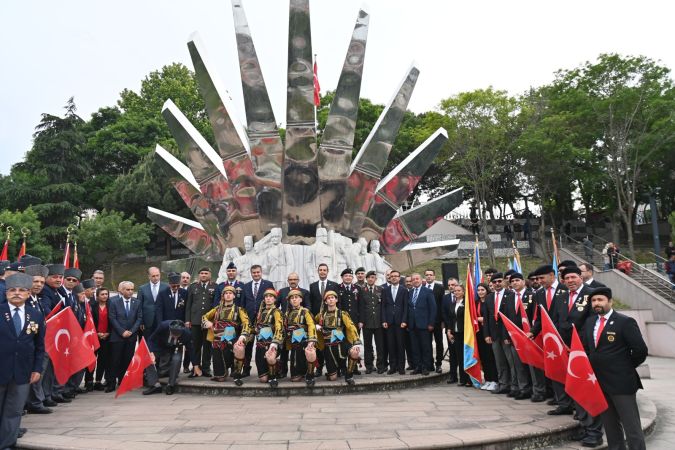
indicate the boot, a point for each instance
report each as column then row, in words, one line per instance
column 236, row 372
column 309, row 377
column 272, row 377
column 349, row 373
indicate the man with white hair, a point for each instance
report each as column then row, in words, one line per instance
column 126, row 316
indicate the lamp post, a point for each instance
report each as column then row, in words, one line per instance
column 655, row 227
column 529, row 227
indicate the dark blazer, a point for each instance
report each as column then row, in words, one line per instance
column 495, row 327
column 620, row 350
column 51, row 297
column 149, row 304
column 560, row 295
column 250, row 303
column 282, row 302
column 199, row 301
column 529, row 304
column 118, row 320
column 95, row 314
column 439, row 293
column 423, row 313
column 20, row 355
column 595, row 284
column 577, row 316
column 395, row 312
column 370, row 307
column 159, row 341
column 167, row 309
column 238, row 286
column 448, row 312
column 349, row 299
column 315, row 299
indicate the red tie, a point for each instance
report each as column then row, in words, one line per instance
column 549, row 298
column 523, row 315
column 497, row 306
column 572, row 295
column 600, row 328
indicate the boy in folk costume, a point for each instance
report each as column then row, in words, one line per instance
column 269, row 330
column 338, row 338
column 229, row 327
column 300, row 338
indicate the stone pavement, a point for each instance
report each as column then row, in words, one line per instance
column 435, row 416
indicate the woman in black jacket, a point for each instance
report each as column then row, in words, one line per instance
column 453, row 316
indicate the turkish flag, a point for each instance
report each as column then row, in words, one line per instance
column 581, row 383
column 66, row 256
column 76, row 260
column 91, row 335
column 317, row 88
column 54, row 310
column 133, row 377
column 66, row 345
column 528, row 351
column 555, row 350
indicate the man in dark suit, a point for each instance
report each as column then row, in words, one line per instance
column 438, row 291
column 349, row 295
column 125, row 317
column 517, row 311
column 282, row 304
column 616, row 348
column 370, row 322
column 171, row 302
column 254, row 292
column 394, row 320
column 147, row 295
column 22, row 348
column 587, row 276
column 316, row 291
column 421, row 321
column 495, row 333
column 447, row 303
column 231, row 272
column 199, row 301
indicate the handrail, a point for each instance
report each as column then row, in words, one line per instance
column 658, row 258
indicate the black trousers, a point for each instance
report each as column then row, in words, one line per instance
column 396, row 337
column 452, row 354
column 102, row 364
column 248, row 356
column 223, row 358
column 623, row 416
column 437, row 335
column 260, row 361
column 368, row 335
column 459, row 351
column 335, row 357
column 168, row 363
column 202, row 347
column 408, row 348
column 487, row 358
column 121, row 353
column 420, row 344
column 299, row 361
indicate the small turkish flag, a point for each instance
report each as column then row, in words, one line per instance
column 581, row 383
column 317, row 88
column 90, row 335
column 54, row 310
column 529, row 352
column 69, row 351
column 133, row 377
column 555, row 350
column 76, row 260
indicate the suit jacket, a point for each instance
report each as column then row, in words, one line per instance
column 118, row 320
column 528, row 303
column 251, row 303
column 619, row 351
column 422, row 313
column 581, row 310
column 349, row 299
column 51, row 296
column 199, row 301
column 282, row 302
column 394, row 313
column 453, row 315
column 370, row 307
column 149, row 304
column 315, row 298
column 595, row 284
column 439, row 293
column 23, row 354
column 168, row 309
column 560, row 295
column 159, row 341
column 495, row 327
column 96, row 314
column 238, row 286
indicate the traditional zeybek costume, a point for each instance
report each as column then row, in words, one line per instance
column 300, row 331
column 269, row 330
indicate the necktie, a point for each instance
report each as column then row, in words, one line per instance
column 415, row 292
column 323, row 288
column 573, row 294
column 518, row 300
column 496, row 306
column 154, row 292
column 126, row 307
column 255, row 289
column 17, row 321
column 371, row 290
column 393, row 293
column 175, row 300
column 549, row 298
column 600, row 328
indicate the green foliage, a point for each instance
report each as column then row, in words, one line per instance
column 36, row 244
column 109, row 236
column 671, row 220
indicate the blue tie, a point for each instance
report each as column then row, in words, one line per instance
column 17, row 321
column 126, row 307
column 415, row 292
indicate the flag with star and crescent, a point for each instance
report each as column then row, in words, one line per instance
column 67, row 346
column 133, row 377
column 555, row 350
column 581, row 383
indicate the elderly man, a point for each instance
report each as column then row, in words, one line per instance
column 125, row 318
column 22, row 349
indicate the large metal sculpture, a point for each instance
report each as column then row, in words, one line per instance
column 298, row 201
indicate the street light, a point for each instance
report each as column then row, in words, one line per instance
column 655, row 226
column 529, row 227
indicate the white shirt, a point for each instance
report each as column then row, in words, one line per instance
column 22, row 312
column 394, row 291
column 597, row 324
column 499, row 295
column 588, row 282
column 154, row 287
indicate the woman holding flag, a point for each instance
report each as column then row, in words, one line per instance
column 453, row 317
column 487, row 358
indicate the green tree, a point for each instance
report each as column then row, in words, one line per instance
column 28, row 221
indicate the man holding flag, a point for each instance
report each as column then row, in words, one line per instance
column 517, row 312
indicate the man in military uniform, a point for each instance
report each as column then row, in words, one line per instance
column 238, row 286
column 370, row 322
column 199, row 301
column 349, row 296
column 360, row 277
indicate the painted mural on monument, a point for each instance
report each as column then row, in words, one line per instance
column 289, row 205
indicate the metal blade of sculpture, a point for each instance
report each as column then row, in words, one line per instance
column 293, row 204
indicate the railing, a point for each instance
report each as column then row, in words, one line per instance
column 660, row 262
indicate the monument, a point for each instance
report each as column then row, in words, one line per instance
column 290, row 204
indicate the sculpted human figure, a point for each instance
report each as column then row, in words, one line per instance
column 244, row 262
column 374, row 261
column 341, row 252
column 357, row 255
column 322, row 253
column 231, row 254
column 277, row 260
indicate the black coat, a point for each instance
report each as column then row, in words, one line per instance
column 560, row 295
column 394, row 312
column 529, row 305
column 370, row 307
column 438, row 292
column 282, row 302
column 167, row 308
column 348, row 300
column 159, row 341
column 453, row 315
column 315, row 299
column 577, row 315
column 492, row 327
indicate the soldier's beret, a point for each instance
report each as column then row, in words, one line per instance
column 229, row 288
column 72, row 272
column 571, row 269
column 176, row 326
column 347, row 271
column 56, row 269
column 327, row 293
column 174, row 278
column 78, row 289
column 496, row 276
column 360, row 269
column 231, row 265
column 205, row 269
column 88, row 284
column 371, row 272
column 607, row 292
column 508, row 273
column 37, row 271
column 19, row 281
column 3, row 265
column 293, row 292
column 567, row 263
column 490, row 270
column 532, row 274
column 16, row 266
column 270, row 291
column 545, row 269
column 516, row 276
column 29, row 260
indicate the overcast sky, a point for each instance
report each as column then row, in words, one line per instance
column 92, row 50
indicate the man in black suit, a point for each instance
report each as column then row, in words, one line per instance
column 421, row 321
column 517, row 312
column 125, row 316
column 282, row 304
column 316, row 291
column 438, row 291
column 587, row 276
column 231, row 272
column 495, row 333
column 448, row 302
column 616, row 348
column 171, row 302
column 148, row 295
column 254, row 292
column 394, row 320
column 199, row 301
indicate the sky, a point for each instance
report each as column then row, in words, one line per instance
column 92, row 50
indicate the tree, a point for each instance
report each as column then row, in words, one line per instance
column 27, row 219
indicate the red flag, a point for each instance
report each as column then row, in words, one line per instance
column 76, row 261
column 4, row 256
column 317, row 88
column 67, row 348
column 53, row 312
column 22, row 250
column 91, row 335
column 66, row 256
column 472, row 364
column 133, row 377
column 555, row 350
column 581, row 383
column 528, row 351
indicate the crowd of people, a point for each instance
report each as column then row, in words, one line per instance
column 407, row 325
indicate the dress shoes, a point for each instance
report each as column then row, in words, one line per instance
column 186, row 370
column 61, row 399
column 42, row 410
column 591, row 442
column 369, row 370
column 392, row 371
column 50, row 403
column 425, row 372
column 109, row 388
column 356, row 372
column 415, row 372
column 552, row 402
column 153, row 390
column 169, row 390
column 401, row 372
column 238, row 381
column 452, row 380
column 89, row 386
column 409, row 368
column 192, row 375
column 579, row 436
column 381, row 371
column 317, row 372
column 522, row 396
column 22, row 431
column 537, row 399
column 560, row 411
column 502, row 391
column 68, row 395
column 98, row 387
column 513, row 394
column 206, row 374
column 439, row 369
column 79, row 390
